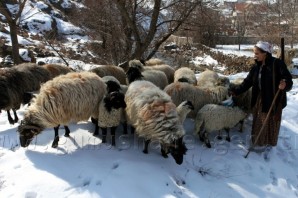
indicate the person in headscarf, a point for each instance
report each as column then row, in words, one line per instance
column 266, row 77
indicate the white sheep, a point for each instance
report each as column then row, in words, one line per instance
column 154, row 116
column 212, row 117
column 185, row 74
column 156, row 77
column 210, row 78
column 198, row 96
column 67, row 98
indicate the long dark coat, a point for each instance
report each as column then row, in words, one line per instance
column 269, row 82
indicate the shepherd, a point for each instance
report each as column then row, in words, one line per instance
column 270, row 79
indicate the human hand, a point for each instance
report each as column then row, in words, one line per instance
column 282, row 84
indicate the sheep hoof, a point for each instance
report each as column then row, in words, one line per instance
column 145, row 151
column 55, row 144
column 219, row 137
column 228, row 139
column 208, row 145
column 11, row 121
column 201, row 139
column 66, row 135
column 95, row 134
column 165, row 155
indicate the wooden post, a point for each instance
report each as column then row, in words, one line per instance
column 282, row 49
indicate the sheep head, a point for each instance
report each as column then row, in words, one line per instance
column 112, row 86
column 133, row 74
column 177, row 150
column 114, row 100
column 27, row 132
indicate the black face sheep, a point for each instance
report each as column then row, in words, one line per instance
column 67, row 98
column 154, row 116
column 156, row 77
column 212, row 117
column 110, row 70
column 27, row 77
column 113, row 85
column 110, row 114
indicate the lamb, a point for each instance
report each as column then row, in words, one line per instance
column 116, row 107
column 154, row 116
column 213, row 117
column 67, row 98
column 110, row 70
column 26, row 77
column 185, row 74
column 110, row 114
column 156, row 77
column 198, row 96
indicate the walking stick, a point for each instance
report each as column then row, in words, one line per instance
column 265, row 121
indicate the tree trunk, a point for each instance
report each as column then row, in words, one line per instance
column 14, row 42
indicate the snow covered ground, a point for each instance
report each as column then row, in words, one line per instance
column 82, row 166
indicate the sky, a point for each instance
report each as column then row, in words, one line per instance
column 82, row 166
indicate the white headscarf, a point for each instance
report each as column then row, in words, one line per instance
column 267, row 47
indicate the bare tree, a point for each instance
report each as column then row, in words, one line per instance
column 132, row 29
column 12, row 17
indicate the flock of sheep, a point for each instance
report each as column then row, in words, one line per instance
column 151, row 97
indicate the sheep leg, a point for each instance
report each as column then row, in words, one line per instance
column 163, row 151
column 132, row 130
column 124, row 124
column 219, row 135
column 113, row 131
column 94, row 120
column 206, row 139
column 56, row 138
column 16, row 118
column 228, row 134
column 96, row 131
column 146, row 146
column 241, row 125
column 104, row 134
column 11, row 121
column 67, row 131
column 201, row 136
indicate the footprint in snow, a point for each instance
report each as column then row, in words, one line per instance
column 86, row 182
column 273, row 178
column 98, row 183
column 30, row 195
column 115, row 166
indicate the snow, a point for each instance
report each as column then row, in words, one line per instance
column 245, row 50
column 206, row 59
column 82, row 166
